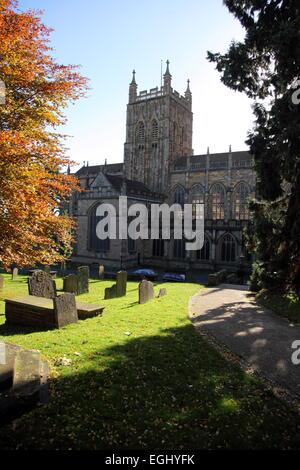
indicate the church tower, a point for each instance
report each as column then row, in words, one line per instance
column 159, row 128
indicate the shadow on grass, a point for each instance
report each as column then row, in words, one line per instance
column 9, row 330
column 170, row 391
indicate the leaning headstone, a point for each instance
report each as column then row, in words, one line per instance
column 121, row 283
column 162, row 292
column 65, row 310
column 70, row 284
column 110, row 292
column 41, row 284
column 146, row 291
column 83, row 274
column 101, row 273
column 15, row 273
column 1, row 282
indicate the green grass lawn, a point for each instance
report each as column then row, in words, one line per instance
column 142, row 378
column 287, row 305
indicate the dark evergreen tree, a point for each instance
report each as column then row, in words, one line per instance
column 266, row 66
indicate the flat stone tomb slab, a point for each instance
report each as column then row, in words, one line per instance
column 30, row 310
column 39, row 312
column 88, row 310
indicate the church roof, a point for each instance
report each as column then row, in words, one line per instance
column 94, row 169
column 132, row 186
column 217, row 160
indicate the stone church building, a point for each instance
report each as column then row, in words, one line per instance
column 159, row 166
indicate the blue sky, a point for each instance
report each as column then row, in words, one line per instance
column 109, row 38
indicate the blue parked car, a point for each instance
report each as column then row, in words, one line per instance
column 143, row 272
column 174, row 277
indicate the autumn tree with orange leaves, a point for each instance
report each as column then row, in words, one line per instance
column 32, row 153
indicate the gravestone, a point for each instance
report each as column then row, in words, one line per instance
column 15, row 273
column 101, row 273
column 83, row 274
column 70, row 284
column 162, row 292
column 41, row 284
column 146, row 291
column 47, row 269
column 110, row 292
column 121, row 283
column 65, row 310
column 1, row 282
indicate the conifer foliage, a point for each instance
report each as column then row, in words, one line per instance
column 266, row 66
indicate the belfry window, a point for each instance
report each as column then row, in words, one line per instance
column 141, row 132
column 154, row 134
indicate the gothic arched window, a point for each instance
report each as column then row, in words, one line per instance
column 228, row 249
column 197, row 197
column 95, row 243
column 240, row 210
column 179, row 196
column 217, row 200
column 141, row 132
column 154, row 130
column 179, row 249
column 158, row 247
column 204, row 253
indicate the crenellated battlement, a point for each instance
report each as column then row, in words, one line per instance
column 165, row 90
column 161, row 92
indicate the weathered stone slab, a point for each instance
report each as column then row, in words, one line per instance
column 71, row 284
column 41, row 284
column 1, row 282
column 15, row 273
column 162, row 292
column 110, row 292
column 121, row 283
column 23, row 381
column 7, row 364
column 83, row 274
column 26, row 380
column 88, row 310
column 146, row 291
column 65, row 310
column 101, row 272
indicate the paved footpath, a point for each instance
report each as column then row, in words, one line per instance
column 261, row 338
